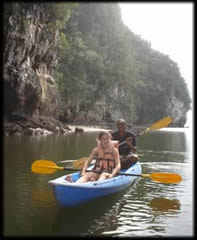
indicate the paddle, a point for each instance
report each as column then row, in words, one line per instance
column 164, row 122
column 77, row 163
column 78, row 160
column 49, row 167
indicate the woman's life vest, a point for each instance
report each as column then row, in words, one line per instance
column 106, row 163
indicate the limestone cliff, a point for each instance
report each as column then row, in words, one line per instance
column 29, row 58
column 178, row 112
column 30, row 55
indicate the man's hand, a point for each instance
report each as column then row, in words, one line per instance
column 129, row 141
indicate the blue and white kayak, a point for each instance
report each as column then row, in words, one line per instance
column 72, row 194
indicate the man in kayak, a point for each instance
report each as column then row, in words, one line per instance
column 107, row 160
column 127, row 150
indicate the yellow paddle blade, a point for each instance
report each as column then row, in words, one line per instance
column 164, row 122
column 164, row 177
column 80, row 163
column 44, row 167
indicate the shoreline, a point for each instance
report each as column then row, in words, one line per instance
column 87, row 128
column 49, row 126
column 96, row 128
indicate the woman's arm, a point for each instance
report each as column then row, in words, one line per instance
column 117, row 163
column 88, row 161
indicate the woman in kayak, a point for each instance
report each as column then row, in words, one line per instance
column 107, row 160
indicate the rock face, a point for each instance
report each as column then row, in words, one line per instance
column 177, row 112
column 40, row 125
column 31, row 96
column 29, row 58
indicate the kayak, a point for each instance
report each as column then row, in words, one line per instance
column 69, row 194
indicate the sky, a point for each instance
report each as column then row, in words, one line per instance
column 168, row 27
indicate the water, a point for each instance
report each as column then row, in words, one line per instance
column 146, row 209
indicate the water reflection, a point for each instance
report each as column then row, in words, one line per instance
column 130, row 217
column 164, row 205
column 87, row 219
column 170, row 141
column 42, row 198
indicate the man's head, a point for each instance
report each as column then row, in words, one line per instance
column 121, row 124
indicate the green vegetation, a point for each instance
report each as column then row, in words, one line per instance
column 103, row 61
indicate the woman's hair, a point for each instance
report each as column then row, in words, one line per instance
column 104, row 133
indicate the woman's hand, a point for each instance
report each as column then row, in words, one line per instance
column 83, row 172
column 110, row 176
column 107, row 175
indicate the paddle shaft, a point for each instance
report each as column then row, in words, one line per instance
column 159, row 177
column 119, row 173
column 139, row 134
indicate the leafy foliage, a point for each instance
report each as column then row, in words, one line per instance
column 106, row 62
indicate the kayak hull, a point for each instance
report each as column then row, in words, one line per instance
column 71, row 194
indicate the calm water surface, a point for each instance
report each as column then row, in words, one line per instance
column 146, row 209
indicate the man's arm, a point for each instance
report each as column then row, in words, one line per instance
column 131, row 142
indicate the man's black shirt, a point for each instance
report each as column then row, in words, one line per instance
column 124, row 149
